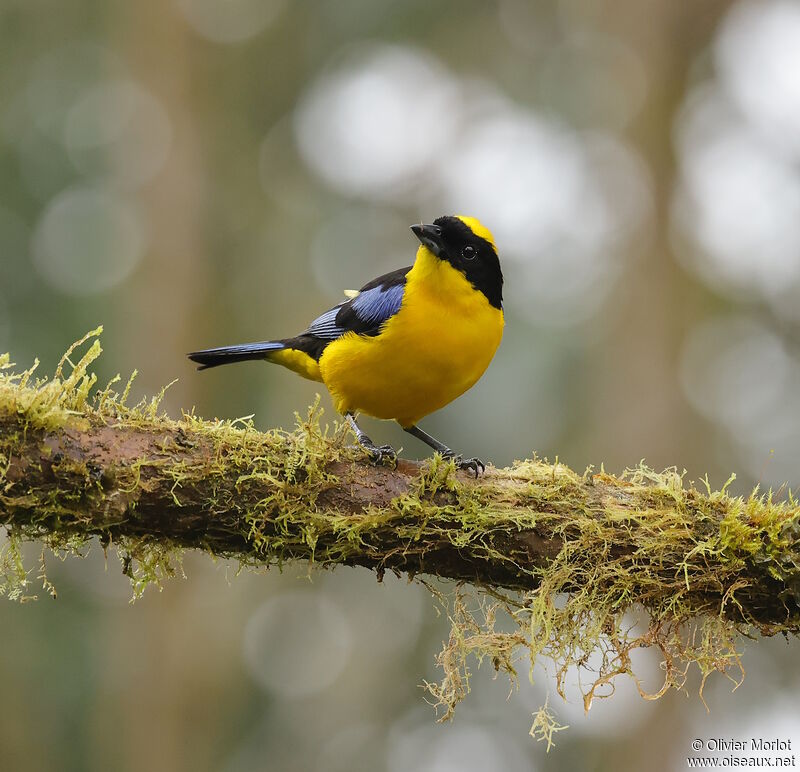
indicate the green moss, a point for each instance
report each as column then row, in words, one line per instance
column 147, row 563
column 13, row 574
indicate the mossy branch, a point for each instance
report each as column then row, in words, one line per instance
column 564, row 555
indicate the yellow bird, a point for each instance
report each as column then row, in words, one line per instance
column 407, row 343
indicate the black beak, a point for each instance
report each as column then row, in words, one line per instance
column 431, row 237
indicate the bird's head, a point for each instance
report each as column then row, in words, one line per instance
column 469, row 247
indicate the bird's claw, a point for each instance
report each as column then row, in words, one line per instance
column 380, row 453
column 471, row 464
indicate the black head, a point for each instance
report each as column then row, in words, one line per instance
column 468, row 247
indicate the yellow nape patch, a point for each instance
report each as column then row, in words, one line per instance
column 478, row 228
column 298, row 361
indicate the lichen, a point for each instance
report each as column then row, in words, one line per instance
column 545, row 725
column 611, row 564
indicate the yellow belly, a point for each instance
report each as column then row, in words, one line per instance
column 431, row 351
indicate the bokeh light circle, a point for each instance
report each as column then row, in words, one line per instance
column 230, row 21
column 118, row 130
column 464, row 747
column 376, row 121
column 757, row 52
column 297, row 643
column 738, row 201
column 722, row 371
column 87, row 241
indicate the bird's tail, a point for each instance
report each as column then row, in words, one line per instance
column 227, row 355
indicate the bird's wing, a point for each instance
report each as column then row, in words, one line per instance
column 324, row 326
column 364, row 314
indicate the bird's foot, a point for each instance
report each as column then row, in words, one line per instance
column 378, row 453
column 383, row 453
column 471, row 464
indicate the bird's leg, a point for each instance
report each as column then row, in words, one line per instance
column 377, row 452
column 474, row 464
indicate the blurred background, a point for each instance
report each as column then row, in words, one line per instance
column 202, row 172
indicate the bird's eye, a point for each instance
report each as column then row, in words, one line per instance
column 468, row 253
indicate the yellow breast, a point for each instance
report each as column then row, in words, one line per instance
column 431, row 351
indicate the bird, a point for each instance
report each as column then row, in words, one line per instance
column 407, row 343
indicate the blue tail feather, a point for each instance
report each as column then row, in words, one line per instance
column 226, row 355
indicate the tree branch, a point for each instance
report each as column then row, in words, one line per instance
column 73, row 468
column 276, row 496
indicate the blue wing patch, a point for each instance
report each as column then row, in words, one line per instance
column 376, row 305
column 365, row 313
